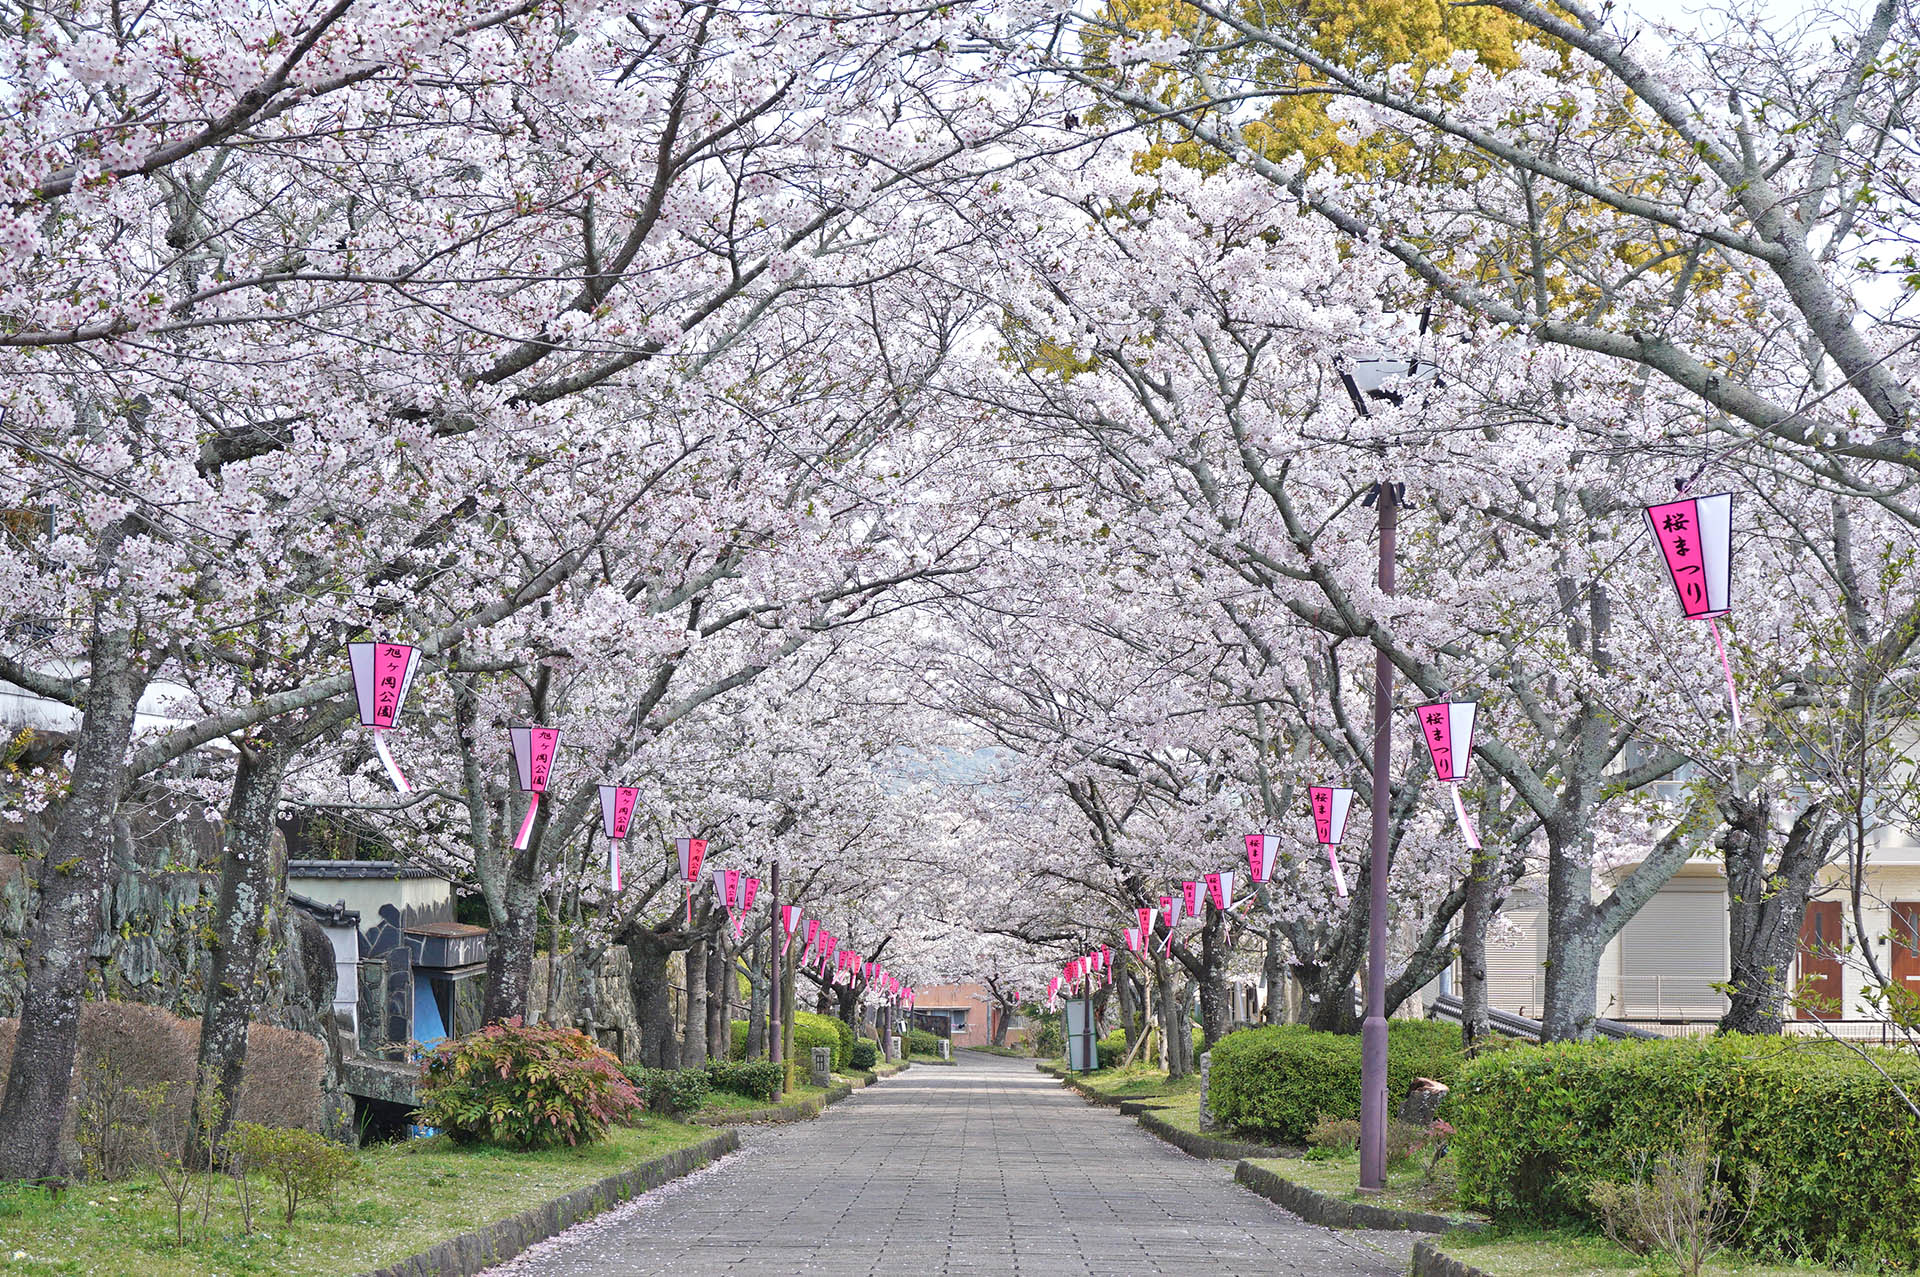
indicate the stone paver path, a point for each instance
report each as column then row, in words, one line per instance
column 983, row 1167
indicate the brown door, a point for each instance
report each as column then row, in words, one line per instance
column 1817, row 990
column 1906, row 946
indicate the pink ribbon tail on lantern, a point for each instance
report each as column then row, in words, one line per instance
column 393, row 768
column 1733, row 697
column 526, row 825
column 1339, row 878
column 1466, row 826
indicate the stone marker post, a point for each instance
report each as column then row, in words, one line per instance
column 822, row 1066
column 895, row 1040
column 1207, row 1122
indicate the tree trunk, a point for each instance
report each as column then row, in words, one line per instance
column 1176, row 1042
column 719, row 998
column 61, row 935
column 757, row 998
column 1475, row 914
column 1273, row 969
column 252, row 890
column 511, row 944
column 693, row 1047
column 1216, row 1006
column 1765, row 907
column 652, row 1001
column 1128, row 1020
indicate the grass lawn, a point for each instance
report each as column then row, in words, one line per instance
column 1007, row 1051
column 1572, row 1254
column 408, row 1197
column 1139, row 1081
column 1408, row 1187
column 928, row 1059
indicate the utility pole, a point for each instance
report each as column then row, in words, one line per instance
column 776, row 938
column 1373, row 1031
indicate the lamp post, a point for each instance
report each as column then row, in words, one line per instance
column 1366, row 383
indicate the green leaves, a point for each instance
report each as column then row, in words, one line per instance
column 1836, row 1148
column 526, row 1086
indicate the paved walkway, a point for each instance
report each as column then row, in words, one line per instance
column 987, row 1166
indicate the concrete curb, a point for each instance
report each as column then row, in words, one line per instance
column 1318, row 1208
column 1134, row 1108
column 482, row 1248
column 795, row 1111
column 1430, row 1261
column 1194, row 1144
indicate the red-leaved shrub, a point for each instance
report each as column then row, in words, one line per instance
column 525, row 1085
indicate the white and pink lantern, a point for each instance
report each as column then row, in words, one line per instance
column 1447, row 727
column 749, row 888
column 692, row 851
column 534, row 748
column 1696, row 540
column 1220, row 889
column 1263, row 851
column 789, row 924
column 1053, row 992
column 382, row 673
column 1190, row 900
column 1170, row 917
column 1331, row 805
column 1133, row 939
column 616, row 818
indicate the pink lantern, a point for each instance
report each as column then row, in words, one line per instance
column 1263, row 850
column 1330, row 808
column 616, row 817
column 1106, row 961
column 692, row 852
column 1190, row 900
column 1170, row 916
column 789, row 924
column 1695, row 535
column 1053, row 992
column 533, row 751
column 1133, row 939
column 748, row 890
column 1145, row 915
column 1220, row 890
column 382, row 673
column 1447, row 727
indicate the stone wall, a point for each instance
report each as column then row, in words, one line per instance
column 600, row 1003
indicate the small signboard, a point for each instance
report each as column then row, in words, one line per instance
column 1082, row 1055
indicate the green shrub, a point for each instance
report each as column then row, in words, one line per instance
column 1277, row 1082
column 670, row 1092
column 737, row 1043
column 525, row 1085
column 844, row 1052
column 922, row 1042
column 866, row 1054
column 811, row 1030
column 755, row 1079
column 1112, row 1049
column 301, row 1164
column 1836, row 1151
column 1049, row 1036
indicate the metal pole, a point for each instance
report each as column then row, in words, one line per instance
column 775, row 937
column 1373, row 1033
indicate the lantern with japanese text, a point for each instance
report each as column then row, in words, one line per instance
column 1695, row 535
column 616, row 818
column 382, row 673
column 533, row 751
column 692, row 852
column 1447, row 727
column 1331, row 805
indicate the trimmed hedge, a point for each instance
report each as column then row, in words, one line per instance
column 922, row 1042
column 811, row 1030
column 866, row 1053
column 1276, row 1082
column 755, row 1079
column 1838, row 1152
column 670, row 1092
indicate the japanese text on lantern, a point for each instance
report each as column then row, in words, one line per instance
column 1433, row 721
column 389, row 678
column 1678, row 531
